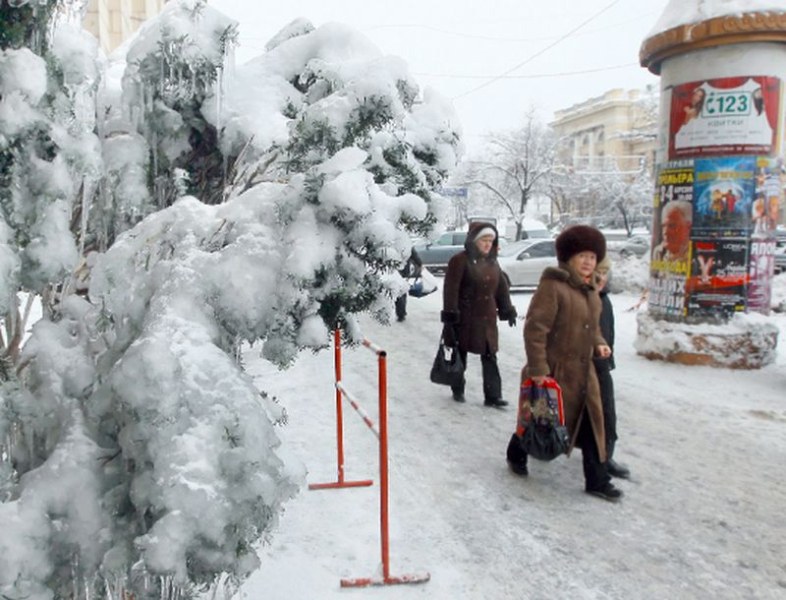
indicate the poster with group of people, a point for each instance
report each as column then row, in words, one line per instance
column 718, row 200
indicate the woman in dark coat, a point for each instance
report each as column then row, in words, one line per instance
column 561, row 337
column 603, row 369
column 475, row 292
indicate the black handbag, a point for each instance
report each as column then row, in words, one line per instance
column 545, row 436
column 447, row 368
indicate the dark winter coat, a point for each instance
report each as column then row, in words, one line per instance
column 603, row 368
column 606, row 330
column 561, row 331
column 474, row 294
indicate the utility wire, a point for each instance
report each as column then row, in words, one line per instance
column 534, row 56
column 491, row 38
column 536, row 76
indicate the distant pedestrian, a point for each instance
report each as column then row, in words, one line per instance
column 475, row 294
column 412, row 268
column 603, row 367
column 561, row 336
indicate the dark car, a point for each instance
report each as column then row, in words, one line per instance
column 780, row 250
column 435, row 255
column 636, row 245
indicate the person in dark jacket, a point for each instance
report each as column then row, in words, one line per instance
column 561, row 337
column 474, row 294
column 412, row 268
column 604, row 367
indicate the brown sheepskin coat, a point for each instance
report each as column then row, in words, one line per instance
column 474, row 294
column 561, row 331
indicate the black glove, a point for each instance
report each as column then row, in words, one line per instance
column 450, row 334
column 510, row 316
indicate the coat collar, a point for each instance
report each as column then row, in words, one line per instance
column 568, row 275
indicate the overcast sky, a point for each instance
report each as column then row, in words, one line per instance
column 493, row 58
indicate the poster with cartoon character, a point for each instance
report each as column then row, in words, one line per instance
column 724, row 192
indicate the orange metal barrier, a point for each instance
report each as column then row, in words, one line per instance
column 382, row 435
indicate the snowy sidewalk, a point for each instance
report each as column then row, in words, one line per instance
column 702, row 517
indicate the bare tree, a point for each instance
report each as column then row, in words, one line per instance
column 621, row 198
column 515, row 167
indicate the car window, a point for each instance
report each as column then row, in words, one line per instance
column 446, row 239
column 459, row 239
column 514, row 248
column 541, row 250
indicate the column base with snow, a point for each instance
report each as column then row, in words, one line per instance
column 746, row 341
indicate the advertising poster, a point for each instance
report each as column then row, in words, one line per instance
column 768, row 196
column 667, row 294
column 718, row 280
column 670, row 259
column 761, row 267
column 673, row 213
column 724, row 192
column 731, row 115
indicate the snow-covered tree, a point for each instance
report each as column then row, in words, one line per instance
column 136, row 456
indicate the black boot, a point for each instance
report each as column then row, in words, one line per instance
column 617, row 470
column 495, row 402
column 607, row 492
column 459, row 397
column 517, row 458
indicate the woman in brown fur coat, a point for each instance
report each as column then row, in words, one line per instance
column 474, row 293
column 561, row 337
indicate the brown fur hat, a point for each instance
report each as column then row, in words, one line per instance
column 578, row 238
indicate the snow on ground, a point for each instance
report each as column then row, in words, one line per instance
column 702, row 517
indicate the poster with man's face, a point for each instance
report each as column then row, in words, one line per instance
column 730, row 115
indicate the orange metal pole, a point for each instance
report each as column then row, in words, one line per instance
column 386, row 578
column 339, row 483
column 383, row 464
column 339, row 411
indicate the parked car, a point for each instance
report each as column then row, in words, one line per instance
column 435, row 255
column 523, row 261
column 621, row 243
column 780, row 250
column 780, row 259
column 636, row 245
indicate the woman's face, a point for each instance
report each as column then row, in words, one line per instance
column 484, row 244
column 603, row 278
column 584, row 263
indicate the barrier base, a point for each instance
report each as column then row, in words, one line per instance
column 401, row 579
column 340, row 484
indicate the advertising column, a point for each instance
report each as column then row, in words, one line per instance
column 719, row 187
column 719, row 183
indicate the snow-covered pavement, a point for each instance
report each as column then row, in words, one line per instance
column 702, row 517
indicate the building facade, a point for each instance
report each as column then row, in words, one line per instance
column 114, row 21
column 613, row 132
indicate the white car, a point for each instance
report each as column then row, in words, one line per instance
column 523, row 262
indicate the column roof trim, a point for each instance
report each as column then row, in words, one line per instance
column 748, row 27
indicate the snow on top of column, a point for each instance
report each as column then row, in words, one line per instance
column 682, row 12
